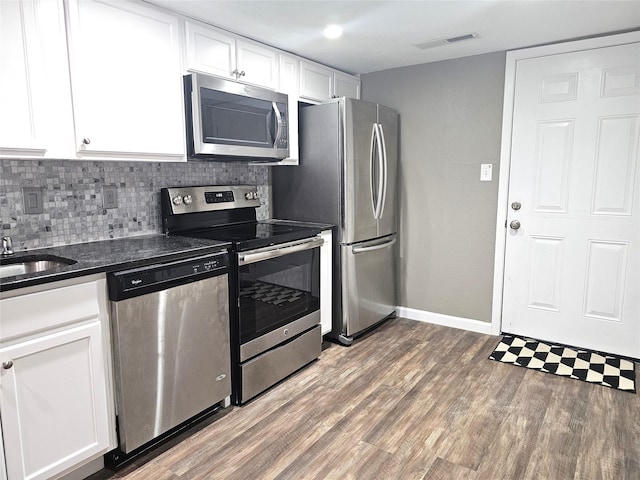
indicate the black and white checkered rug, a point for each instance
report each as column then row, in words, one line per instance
column 593, row 367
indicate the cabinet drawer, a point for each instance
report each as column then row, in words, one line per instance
column 35, row 312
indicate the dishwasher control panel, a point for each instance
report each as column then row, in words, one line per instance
column 151, row 278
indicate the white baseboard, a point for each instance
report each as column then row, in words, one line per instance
column 445, row 320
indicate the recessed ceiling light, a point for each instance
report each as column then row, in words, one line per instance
column 332, row 31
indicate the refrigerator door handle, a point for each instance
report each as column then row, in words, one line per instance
column 370, row 248
column 372, row 167
column 383, row 196
column 380, row 172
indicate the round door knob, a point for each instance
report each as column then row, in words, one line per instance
column 7, row 365
column 86, row 141
column 187, row 199
column 514, row 225
column 177, row 200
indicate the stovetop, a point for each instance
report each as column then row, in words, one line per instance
column 249, row 236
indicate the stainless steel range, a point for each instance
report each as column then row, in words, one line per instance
column 274, row 281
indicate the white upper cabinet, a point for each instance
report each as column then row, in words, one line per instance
column 213, row 51
column 316, row 81
column 257, row 64
column 210, row 51
column 319, row 83
column 346, row 85
column 289, row 84
column 126, row 80
column 34, row 83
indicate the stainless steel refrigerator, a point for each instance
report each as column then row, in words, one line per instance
column 347, row 177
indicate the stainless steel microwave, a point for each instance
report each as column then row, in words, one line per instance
column 230, row 120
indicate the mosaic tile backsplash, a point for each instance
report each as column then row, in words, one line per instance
column 72, row 195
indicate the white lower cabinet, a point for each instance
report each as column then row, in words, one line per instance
column 56, row 400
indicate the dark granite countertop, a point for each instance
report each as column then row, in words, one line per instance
column 111, row 255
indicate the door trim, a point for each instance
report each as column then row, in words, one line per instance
column 505, row 147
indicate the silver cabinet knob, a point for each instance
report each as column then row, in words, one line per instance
column 86, row 141
column 241, row 74
column 514, row 225
column 7, row 365
column 235, row 72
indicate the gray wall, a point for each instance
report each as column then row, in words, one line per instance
column 450, row 123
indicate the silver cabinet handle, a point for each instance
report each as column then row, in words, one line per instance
column 514, row 225
column 7, row 365
column 86, row 141
column 266, row 253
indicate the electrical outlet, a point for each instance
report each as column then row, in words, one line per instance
column 109, row 196
column 32, row 199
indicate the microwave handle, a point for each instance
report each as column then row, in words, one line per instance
column 276, row 110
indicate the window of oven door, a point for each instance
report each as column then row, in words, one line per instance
column 275, row 292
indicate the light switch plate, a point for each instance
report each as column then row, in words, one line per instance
column 486, row 171
column 32, row 199
column 109, row 196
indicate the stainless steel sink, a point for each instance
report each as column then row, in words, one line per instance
column 10, row 267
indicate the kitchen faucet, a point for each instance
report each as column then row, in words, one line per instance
column 7, row 246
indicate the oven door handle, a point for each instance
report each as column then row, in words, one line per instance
column 277, row 251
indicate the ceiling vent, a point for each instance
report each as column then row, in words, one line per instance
column 445, row 41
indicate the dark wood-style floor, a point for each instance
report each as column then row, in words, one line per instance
column 412, row 401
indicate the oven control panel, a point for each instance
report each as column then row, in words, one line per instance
column 209, row 198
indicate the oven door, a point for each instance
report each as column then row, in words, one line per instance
column 278, row 294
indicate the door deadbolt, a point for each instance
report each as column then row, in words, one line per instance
column 516, row 205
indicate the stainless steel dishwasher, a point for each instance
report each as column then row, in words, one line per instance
column 170, row 336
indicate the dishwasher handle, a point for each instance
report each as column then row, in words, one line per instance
column 266, row 253
column 162, row 276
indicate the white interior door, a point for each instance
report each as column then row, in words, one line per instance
column 572, row 269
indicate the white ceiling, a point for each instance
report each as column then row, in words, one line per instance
column 379, row 35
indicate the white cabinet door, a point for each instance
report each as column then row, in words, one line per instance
column 126, row 80
column 35, row 117
column 210, row 51
column 53, row 402
column 213, row 51
column 316, row 81
column 290, row 84
column 257, row 64
column 346, row 86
